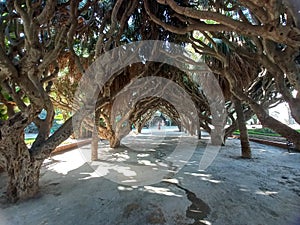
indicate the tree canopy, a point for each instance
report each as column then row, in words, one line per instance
column 252, row 48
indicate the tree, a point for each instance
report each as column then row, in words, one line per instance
column 34, row 36
column 39, row 41
column 266, row 32
column 46, row 46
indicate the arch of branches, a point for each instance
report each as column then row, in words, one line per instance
column 251, row 46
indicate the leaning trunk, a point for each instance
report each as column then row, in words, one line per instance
column 294, row 105
column 246, row 150
column 282, row 129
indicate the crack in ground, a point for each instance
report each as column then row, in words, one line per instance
column 198, row 210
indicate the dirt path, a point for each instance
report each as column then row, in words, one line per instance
column 264, row 190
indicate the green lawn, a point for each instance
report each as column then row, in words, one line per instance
column 261, row 131
column 29, row 141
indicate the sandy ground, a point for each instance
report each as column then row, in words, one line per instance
column 125, row 186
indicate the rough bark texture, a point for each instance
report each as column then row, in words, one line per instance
column 23, row 174
column 22, row 169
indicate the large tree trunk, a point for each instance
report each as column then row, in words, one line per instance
column 139, row 129
column 23, row 173
column 114, row 142
column 246, row 150
column 23, row 180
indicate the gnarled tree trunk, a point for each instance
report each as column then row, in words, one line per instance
column 23, row 172
column 23, row 178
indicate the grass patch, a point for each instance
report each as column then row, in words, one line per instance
column 29, row 141
column 261, row 131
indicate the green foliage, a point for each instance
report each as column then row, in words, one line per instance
column 3, row 112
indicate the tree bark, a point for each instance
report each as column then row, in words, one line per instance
column 23, row 182
column 114, row 142
column 139, row 128
column 246, row 150
column 23, row 174
column 94, row 145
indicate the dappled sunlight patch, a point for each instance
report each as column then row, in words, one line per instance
column 266, row 193
column 120, row 157
column 146, row 163
column 63, row 163
column 160, row 191
column 126, row 171
column 142, row 155
column 129, row 181
column 121, row 188
column 211, row 180
column 206, row 222
column 198, row 174
column 171, row 180
column 204, row 177
column 244, row 190
column 89, row 176
column 261, row 150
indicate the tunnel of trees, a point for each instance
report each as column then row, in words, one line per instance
column 251, row 47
